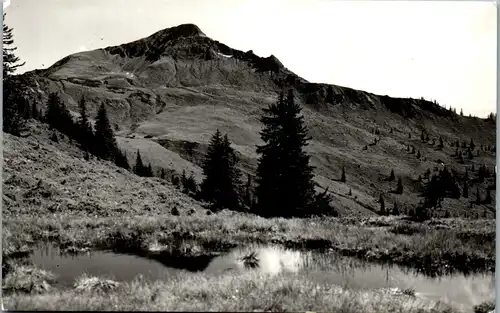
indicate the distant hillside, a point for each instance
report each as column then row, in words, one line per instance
column 177, row 86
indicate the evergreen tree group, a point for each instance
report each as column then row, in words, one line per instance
column 440, row 186
column 140, row 169
column 101, row 142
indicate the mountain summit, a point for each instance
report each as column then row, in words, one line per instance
column 184, row 30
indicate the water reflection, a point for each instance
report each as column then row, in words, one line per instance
column 459, row 290
column 104, row 264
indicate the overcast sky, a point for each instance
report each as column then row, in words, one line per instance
column 440, row 50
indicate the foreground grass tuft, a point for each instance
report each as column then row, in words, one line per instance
column 27, row 279
column 95, row 284
column 250, row 291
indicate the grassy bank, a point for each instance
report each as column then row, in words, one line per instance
column 435, row 248
column 199, row 292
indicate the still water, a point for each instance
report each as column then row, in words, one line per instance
column 462, row 292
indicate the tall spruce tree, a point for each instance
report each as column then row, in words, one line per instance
column 53, row 111
column 233, row 183
column 210, row 186
column 85, row 131
column 285, row 184
column 105, row 142
column 149, row 170
column 13, row 88
column 222, row 182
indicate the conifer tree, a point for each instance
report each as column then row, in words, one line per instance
column 392, row 177
column 285, row 184
column 189, row 184
column 53, row 112
column 184, row 181
column 85, row 132
column 382, row 205
column 342, row 176
column 148, row 171
column 478, row 196
column 105, row 143
column 234, row 184
column 139, row 166
column 162, row 173
column 13, row 88
column 222, row 182
column 395, row 209
column 399, row 188
column 211, row 189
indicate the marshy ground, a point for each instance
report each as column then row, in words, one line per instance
column 437, row 247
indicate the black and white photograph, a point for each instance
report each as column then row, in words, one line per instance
column 249, row 155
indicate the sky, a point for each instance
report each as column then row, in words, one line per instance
column 439, row 50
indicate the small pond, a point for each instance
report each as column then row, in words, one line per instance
column 106, row 264
column 462, row 292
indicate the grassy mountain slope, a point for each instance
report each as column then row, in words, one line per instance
column 178, row 86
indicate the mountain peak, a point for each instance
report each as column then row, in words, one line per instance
column 184, row 30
